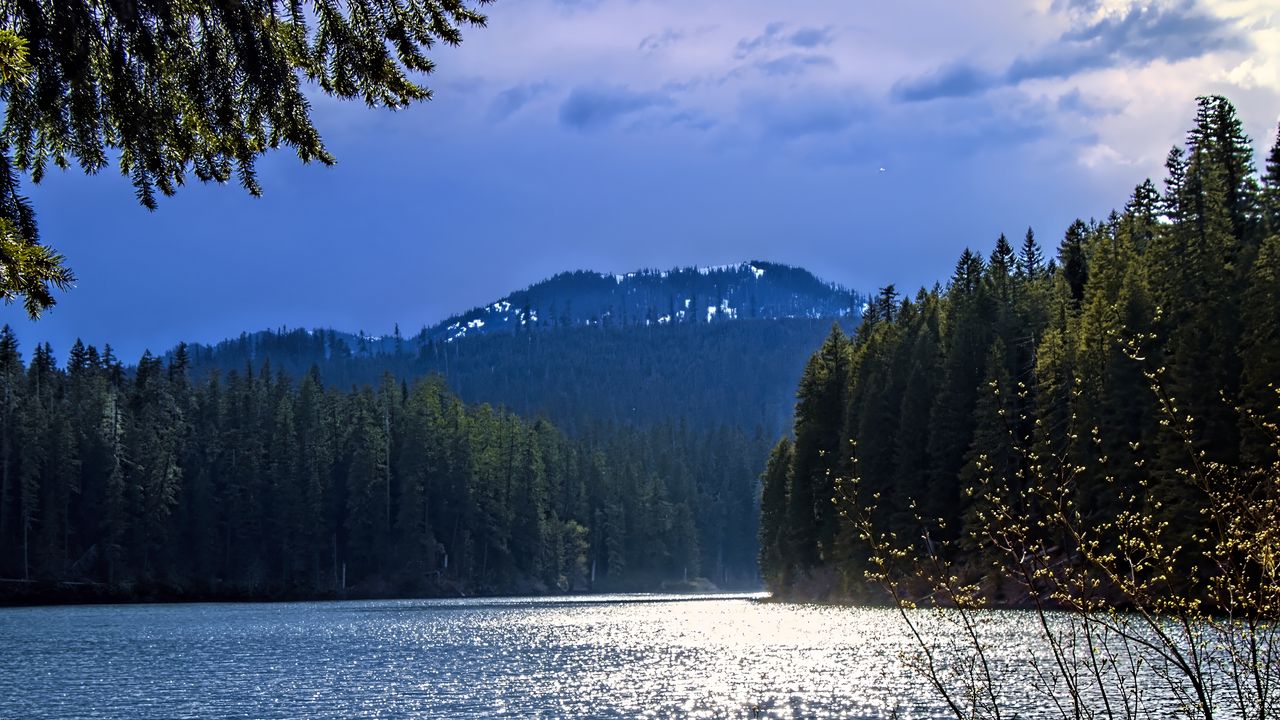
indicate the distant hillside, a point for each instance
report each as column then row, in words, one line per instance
column 708, row 346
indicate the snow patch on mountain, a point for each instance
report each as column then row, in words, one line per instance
column 748, row 290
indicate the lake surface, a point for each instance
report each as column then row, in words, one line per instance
column 648, row 656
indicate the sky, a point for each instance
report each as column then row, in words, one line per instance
column 867, row 142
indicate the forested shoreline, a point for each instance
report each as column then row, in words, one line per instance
column 128, row 483
column 1153, row 332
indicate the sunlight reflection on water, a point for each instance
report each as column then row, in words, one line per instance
column 642, row 656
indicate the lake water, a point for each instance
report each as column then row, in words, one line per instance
column 649, row 656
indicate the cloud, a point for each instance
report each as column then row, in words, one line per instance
column 1140, row 35
column 660, row 41
column 774, row 36
column 1075, row 102
column 794, row 64
column 812, row 37
column 959, row 79
column 1087, row 7
column 595, row 107
column 747, row 46
column 510, row 101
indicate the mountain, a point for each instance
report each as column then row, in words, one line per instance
column 750, row 290
column 706, row 346
column 664, row 392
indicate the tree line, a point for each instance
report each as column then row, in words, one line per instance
column 154, row 481
column 1021, row 362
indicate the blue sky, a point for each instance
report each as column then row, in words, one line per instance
column 621, row 134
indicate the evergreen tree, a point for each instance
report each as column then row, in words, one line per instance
column 773, row 515
column 1141, row 215
column 1271, row 190
column 1031, row 261
column 967, row 336
column 992, row 460
column 367, row 523
column 819, row 445
column 1219, row 139
column 1072, row 259
column 1260, row 350
column 921, row 360
column 12, row 392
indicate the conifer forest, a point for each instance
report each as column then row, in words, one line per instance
column 146, row 482
column 1098, row 359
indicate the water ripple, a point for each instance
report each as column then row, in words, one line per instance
column 598, row 657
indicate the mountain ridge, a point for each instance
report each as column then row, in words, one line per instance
column 750, row 289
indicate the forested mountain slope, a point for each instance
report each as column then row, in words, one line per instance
column 627, row 349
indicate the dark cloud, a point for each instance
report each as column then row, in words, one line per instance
column 812, row 37
column 1139, row 36
column 660, row 41
column 747, row 46
column 794, row 64
column 592, row 108
column 1178, row 32
column 774, row 35
column 510, row 101
column 960, row 79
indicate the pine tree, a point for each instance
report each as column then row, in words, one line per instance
column 992, row 460
column 968, row 334
column 819, row 446
column 1175, row 166
column 1204, row 333
column 773, row 516
column 1218, row 136
column 1031, row 260
column 153, row 475
column 922, row 357
column 366, row 489
column 12, row 393
column 1141, row 215
column 285, row 521
column 1112, row 404
column 1072, row 259
column 419, row 460
column 1271, row 190
column 1260, row 351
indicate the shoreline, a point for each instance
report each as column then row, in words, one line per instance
column 21, row 594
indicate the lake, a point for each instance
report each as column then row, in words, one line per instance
column 650, row 656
